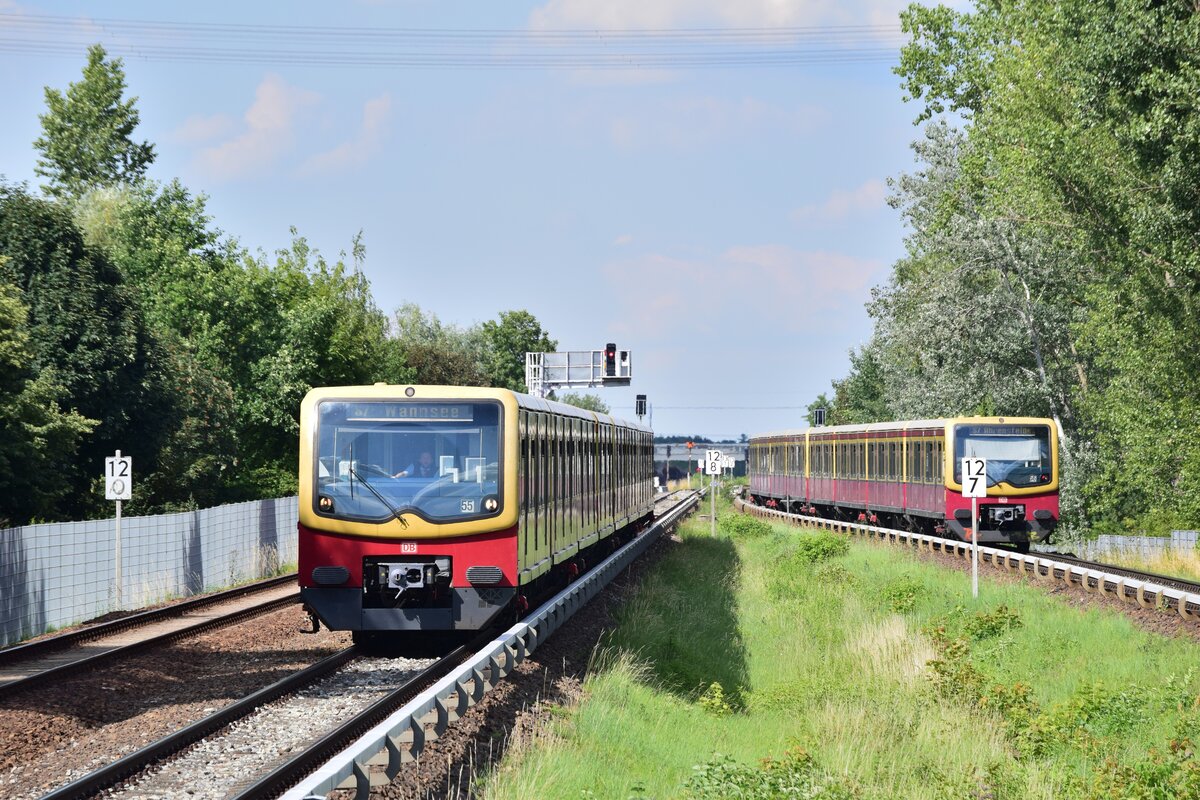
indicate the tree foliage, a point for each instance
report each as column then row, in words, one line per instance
column 508, row 339
column 85, row 326
column 1052, row 264
column 129, row 320
column 39, row 440
column 585, row 400
column 86, row 132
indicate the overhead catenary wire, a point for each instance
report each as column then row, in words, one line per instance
column 447, row 48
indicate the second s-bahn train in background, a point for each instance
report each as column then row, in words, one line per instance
column 435, row 508
column 908, row 474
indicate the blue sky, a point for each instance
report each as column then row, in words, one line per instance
column 726, row 225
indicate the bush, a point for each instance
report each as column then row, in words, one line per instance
column 743, row 526
column 713, row 700
column 901, row 594
column 813, row 548
column 795, row 775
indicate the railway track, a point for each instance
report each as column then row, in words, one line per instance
column 377, row 756
column 26, row 666
column 1169, row 581
column 1146, row 589
column 308, row 717
column 258, row 745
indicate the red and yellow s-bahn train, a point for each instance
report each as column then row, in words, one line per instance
column 434, row 508
column 908, row 473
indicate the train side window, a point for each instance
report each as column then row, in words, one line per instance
column 539, row 473
column 522, row 433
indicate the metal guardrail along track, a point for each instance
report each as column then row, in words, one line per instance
column 1143, row 590
column 1111, row 569
column 287, row 774
column 403, row 735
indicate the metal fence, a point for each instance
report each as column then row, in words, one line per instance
column 59, row 574
column 1107, row 545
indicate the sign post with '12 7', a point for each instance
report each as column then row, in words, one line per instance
column 974, row 485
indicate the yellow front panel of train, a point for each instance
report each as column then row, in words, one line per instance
column 408, row 462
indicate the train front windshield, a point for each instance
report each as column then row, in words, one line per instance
column 1018, row 455
column 379, row 460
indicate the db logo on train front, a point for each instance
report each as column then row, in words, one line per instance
column 408, row 547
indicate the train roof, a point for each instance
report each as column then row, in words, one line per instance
column 400, row 391
column 566, row 409
column 873, row 427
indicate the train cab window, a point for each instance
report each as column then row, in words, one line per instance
column 380, row 459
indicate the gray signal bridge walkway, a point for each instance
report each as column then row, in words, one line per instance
column 674, row 458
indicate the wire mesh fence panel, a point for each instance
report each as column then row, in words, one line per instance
column 57, row 574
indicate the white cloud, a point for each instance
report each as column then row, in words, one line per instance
column 269, row 132
column 842, row 203
column 774, row 287
column 363, row 146
column 623, row 239
column 198, row 128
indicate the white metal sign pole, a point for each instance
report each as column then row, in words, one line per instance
column 974, row 484
column 118, row 486
column 974, row 547
column 117, row 576
column 712, row 465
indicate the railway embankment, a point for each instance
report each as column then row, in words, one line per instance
column 772, row 657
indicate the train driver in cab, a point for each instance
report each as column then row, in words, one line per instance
column 422, row 468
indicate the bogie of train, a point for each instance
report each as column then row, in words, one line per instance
column 435, row 508
column 907, row 474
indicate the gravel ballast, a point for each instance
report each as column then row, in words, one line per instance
column 64, row 730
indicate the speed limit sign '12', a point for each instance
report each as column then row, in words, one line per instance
column 118, row 477
column 974, row 477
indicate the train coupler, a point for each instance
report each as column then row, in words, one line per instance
column 313, row 621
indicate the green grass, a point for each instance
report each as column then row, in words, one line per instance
column 793, row 664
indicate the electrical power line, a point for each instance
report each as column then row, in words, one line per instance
column 724, row 408
column 451, row 48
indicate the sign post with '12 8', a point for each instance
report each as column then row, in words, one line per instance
column 974, row 485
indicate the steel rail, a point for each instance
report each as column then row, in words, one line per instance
column 1130, row 586
column 288, row 773
column 402, row 736
column 89, row 662
column 123, row 769
column 40, row 647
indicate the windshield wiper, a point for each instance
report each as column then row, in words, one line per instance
column 396, row 514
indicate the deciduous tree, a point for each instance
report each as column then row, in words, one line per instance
column 87, row 132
